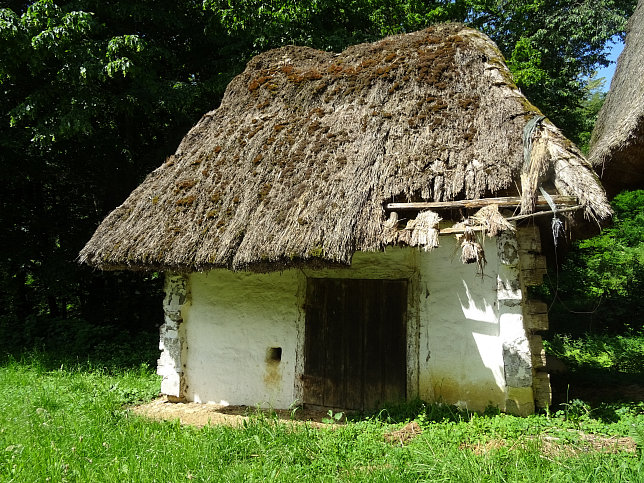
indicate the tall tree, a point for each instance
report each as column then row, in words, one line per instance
column 600, row 285
column 553, row 46
column 96, row 93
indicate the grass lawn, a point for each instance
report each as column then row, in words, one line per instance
column 71, row 423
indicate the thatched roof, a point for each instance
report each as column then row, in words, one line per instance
column 617, row 145
column 307, row 146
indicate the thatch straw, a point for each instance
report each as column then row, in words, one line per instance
column 491, row 219
column 617, row 144
column 421, row 231
column 390, row 231
column 535, row 164
column 307, row 146
column 471, row 249
column 424, row 230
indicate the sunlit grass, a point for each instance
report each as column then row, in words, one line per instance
column 71, row 423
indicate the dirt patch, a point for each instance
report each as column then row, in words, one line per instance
column 554, row 446
column 480, row 448
column 404, row 435
column 612, row 444
column 557, row 446
column 198, row 414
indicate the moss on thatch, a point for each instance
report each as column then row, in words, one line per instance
column 617, row 144
column 307, row 146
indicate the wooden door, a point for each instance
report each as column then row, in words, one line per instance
column 355, row 342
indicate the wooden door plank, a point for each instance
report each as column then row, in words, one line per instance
column 355, row 342
column 370, row 302
column 333, row 388
column 314, row 362
column 354, row 350
column 394, row 331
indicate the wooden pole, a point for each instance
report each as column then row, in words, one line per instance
column 541, row 213
column 460, row 230
column 504, row 202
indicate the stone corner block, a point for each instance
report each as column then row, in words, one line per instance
column 520, row 401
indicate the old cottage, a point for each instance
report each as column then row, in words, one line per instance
column 314, row 227
column 617, row 144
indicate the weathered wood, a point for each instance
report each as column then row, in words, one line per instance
column 393, row 339
column 529, row 239
column 533, row 268
column 536, row 348
column 536, row 307
column 457, row 231
column 539, row 359
column 531, row 261
column 505, row 201
column 354, row 335
column 537, row 322
column 334, row 361
column 526, row 242
column 355, row 343
column 541, row 213
column 533, row 277
column 314, row 368
column 533, row 264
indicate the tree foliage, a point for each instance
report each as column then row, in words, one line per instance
column 95, row 94
column 552, row 46
column 591, row 104
column 602, row 279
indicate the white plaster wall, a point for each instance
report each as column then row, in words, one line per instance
column 455, row 339
column 394, row 262
column 461, row 353
column 231, row 321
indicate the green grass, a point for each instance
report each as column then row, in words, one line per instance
column 71, row 423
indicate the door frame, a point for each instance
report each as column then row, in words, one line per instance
column 398, row 263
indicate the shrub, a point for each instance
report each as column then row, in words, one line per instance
column 600, row 285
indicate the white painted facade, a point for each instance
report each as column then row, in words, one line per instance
column 466, row 341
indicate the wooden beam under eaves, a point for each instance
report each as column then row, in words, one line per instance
column 502, row 202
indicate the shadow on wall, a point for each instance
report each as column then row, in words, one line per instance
column 464, row 364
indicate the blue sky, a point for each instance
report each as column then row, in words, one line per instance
column 607, row 72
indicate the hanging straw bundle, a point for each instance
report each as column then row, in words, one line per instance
column 491, row 219
column 390, row 231
column 424, row 230
column 419, row 232
column 535, row 163
column 471, row 249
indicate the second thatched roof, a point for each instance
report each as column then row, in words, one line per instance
column 297, row 163
column 617, row 144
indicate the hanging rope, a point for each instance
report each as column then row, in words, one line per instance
column 557, row 224
column 528, row 131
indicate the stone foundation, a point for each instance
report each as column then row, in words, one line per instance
column 517, row 358
column 535, row 313
column 170, row 364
